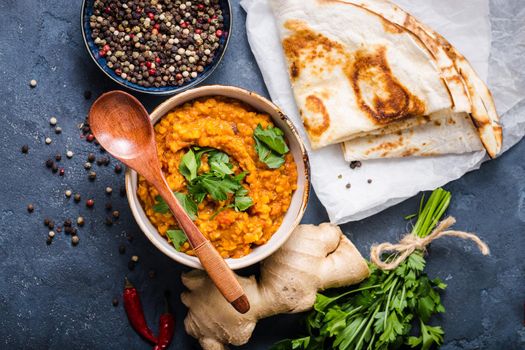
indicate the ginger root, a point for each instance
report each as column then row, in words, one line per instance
column 314, row 258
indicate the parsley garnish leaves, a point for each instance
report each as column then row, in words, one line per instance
column 160, row 205
column 189, row 165
column 187, row 203
column 243, row 203
column 272, row 137
column 271, row 159
column 270, row 146
column 218, row 188
column 219, row 183
column 220, row 164
column 177, row 238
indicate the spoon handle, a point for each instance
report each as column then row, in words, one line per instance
column 214, row 264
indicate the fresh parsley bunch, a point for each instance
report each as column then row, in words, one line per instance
column 381, row 312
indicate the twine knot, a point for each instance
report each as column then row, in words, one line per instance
column 410, row 243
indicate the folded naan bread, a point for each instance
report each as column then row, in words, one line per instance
column 359, row 74
column 444, row 132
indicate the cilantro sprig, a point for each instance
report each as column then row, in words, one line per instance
column 219, row 183
column 380, row 313
column 177, row 238
column 270, row 146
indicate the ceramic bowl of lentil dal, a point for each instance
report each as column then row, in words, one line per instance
column 237, row 166
column 159, row 47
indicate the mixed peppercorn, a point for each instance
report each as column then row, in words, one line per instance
column 157, row 43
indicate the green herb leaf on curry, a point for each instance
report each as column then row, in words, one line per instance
column 160, row 205
column 189, row 165
column 243, row 203
column 219, row 183
column 187, row 203
column 220, row 164
column 271, row 159
column 270, row 145
column 272, row 137
column 218, row 188
column 177, row 238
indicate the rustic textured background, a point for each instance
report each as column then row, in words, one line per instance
column 60, row 296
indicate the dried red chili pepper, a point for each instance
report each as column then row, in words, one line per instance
column 135, row 313
column 166, row 328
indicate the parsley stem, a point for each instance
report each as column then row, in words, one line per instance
column 365, row 331
column 353, row 291
column 388, row 300
column 431, row 212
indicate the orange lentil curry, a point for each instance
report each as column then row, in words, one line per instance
column 228, row 126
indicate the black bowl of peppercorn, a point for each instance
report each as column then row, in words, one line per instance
column 159, row 47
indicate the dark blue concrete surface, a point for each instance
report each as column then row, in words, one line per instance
column 59, row 296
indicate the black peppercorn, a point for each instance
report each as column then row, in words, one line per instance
column 355, row 164
column 118, row 168
column 30, row 208
column 115, row 302
column 49, row 163
column 25, row 149
column 58, row 157
column 122, row 249
column 91, row 157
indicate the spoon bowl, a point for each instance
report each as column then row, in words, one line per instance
column 124, row 140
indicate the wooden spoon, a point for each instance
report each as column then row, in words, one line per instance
column 122, row 126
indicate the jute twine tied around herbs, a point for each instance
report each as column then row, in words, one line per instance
column 410, row 242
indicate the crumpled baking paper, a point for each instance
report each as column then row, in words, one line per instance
column 491, row 34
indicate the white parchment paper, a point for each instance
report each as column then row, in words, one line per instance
column 492, row 37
